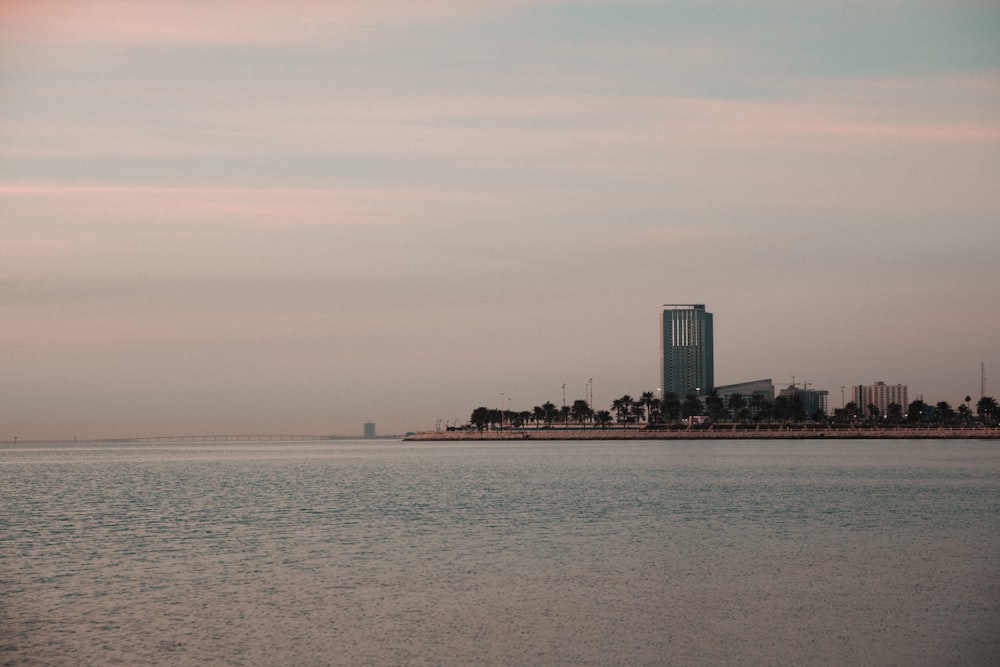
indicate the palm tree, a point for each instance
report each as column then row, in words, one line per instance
column 496, row 418
column 581, row 411
column 671, row 406
column 549, row 412
column 915, row 411
column 618, row 408
column 894, row 412
column 736, row 405
column 781, row 408
column 480, row 418
column 564, row 414
column 765, row 410
column 692, row 406
column 964, row 413
column 987, row 409
column 623, row 407
column 602, row 418
column 628, row 402
column 715, row 406
column 944, row 413
column 652, row 406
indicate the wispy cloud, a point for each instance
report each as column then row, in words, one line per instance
column 218, row 21
column 542, row 126
column 446, row 152
column 228, row 205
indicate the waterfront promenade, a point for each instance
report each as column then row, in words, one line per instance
column 721, row 432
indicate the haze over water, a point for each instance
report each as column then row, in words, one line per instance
column 541, row 553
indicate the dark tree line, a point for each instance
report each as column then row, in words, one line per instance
column 670, row 409
column 917, row 412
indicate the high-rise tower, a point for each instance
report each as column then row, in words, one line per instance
column 686, row 357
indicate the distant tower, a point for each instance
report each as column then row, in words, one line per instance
column 687, row 358
column 369, row 429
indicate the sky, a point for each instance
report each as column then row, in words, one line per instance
column 223, row 217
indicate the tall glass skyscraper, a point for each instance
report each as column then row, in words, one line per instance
column 687, row 357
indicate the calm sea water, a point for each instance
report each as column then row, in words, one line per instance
column 535, row 553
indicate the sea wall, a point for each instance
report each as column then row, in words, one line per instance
column 717, row 433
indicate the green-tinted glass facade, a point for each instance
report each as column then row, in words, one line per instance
column 687, row 356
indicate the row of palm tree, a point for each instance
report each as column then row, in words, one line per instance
column 670, row 409
column 986, row 412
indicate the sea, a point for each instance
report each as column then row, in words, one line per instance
column 358, row 552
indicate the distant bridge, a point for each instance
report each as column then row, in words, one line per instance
column 246, row 437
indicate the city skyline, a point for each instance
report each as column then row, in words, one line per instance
column 295, row 218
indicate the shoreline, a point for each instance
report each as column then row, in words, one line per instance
column 724, row 432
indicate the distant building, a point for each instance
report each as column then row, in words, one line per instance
column 763, row 389
column 813, row 400
column 880, row 395
column 753, row 393
column 369, row 429
column 687, row 360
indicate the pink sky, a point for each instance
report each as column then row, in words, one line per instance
column 220, row 217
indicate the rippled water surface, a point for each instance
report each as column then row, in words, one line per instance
column 571, row 553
